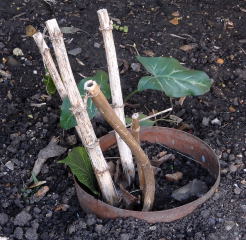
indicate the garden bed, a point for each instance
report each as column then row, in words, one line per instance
column 29, row 118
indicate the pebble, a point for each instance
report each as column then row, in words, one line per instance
column 31, row 234
column 231, row 157
column 97, row 45
column 205, row 213
column 22, row 218
column 216, row 121
column 237, row 190
column 75, row 51
column 229, row 225
column 193, row 188
column 91, row 219
column 18, row 233
column 135, row 67
column 2, row 45
column 205, row 121
column 3, row 218
column 152, row 228
column 124, row 236
column 232, row 168
column 98, row 228
column 9, row 165
column 243, row 207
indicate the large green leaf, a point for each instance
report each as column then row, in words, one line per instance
column 67, row 120
column 147, row 122
column 80, row 165
column 169, row 76
column 49, row 84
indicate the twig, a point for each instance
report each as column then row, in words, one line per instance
column 109, row 115
column 153, row 115
column 135, row 134
column 116, row 93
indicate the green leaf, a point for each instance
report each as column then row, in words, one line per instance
column 147, row 122
column 169, row 76
column 67, row 120
column 48, row 82
column 80, row 165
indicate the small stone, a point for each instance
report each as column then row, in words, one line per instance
column 45, row 119
column 18, row 52
column 124, row 236
column 195, row 188
column 205, row 213
column 229, row 225
column 243, row 207
column 97, row 45
column 71, row 229
column 216, row 121
column 31, row 234
column 205, row 121
column 98, row 228
column 152, row 228
column 22, row 218
column 2, row 45
column 75, row 51
column 237, row 190
column 18, row 233
column 3, row 218
column 231, row 157
column 49, row 214
column 9, row 165
column 91, row 219
column 232, row 168
column 71, row 140
column 135, row 67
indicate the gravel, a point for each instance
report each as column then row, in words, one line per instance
column 22, row 218
column 3, row 218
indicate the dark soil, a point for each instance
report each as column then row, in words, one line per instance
column 218, row 29
column 180, row 163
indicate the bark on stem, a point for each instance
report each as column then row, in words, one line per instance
column 116, row 93
column 84, row 126
column 135, row 133
column 106, row 110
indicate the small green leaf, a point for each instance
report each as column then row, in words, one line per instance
column 147, row 122
column 80, row 165
column 125, row 30
column 48, row 82
column 169, row 76
column 67, row 120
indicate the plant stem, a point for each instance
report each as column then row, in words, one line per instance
column 135, row 134
column 109, row 115
column 106, row 27
column 130, row 95
column 84, row 127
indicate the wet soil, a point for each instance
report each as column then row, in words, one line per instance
column 218, row 30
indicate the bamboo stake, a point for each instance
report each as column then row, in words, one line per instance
column 135, row 133
column 49, row 64
column 116, row 93
column 84, row 126
column 110, row 116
